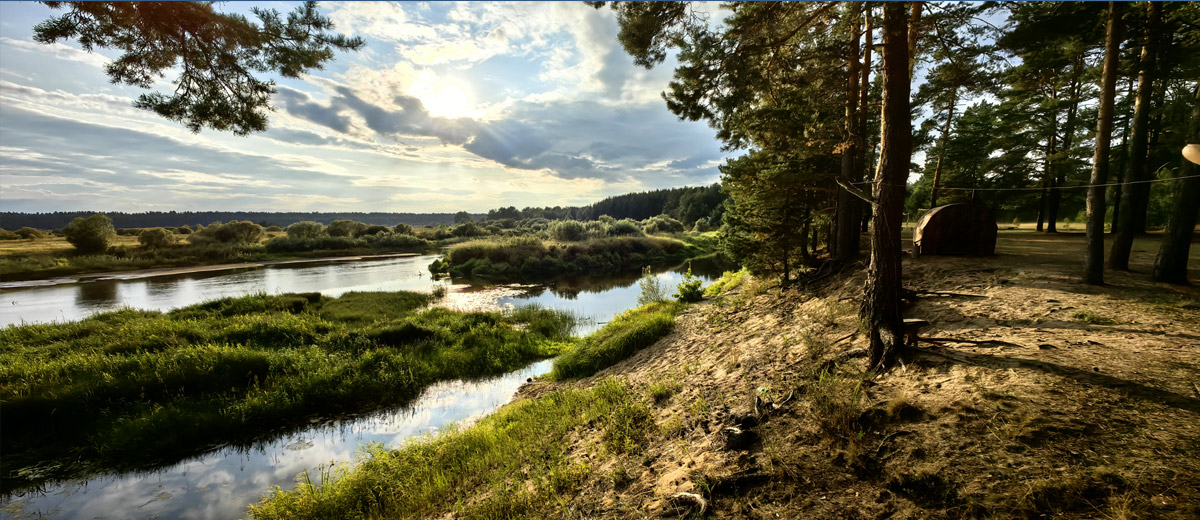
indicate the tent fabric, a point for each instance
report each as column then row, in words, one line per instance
column 963, row 229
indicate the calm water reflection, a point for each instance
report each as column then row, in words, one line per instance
column 70, row 302
column 223, row 483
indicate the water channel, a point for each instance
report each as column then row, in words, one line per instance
column 222, row 483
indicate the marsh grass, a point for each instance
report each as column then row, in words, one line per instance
column 133, row 389
column 508, row 465
column 627, row 333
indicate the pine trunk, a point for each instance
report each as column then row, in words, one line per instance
column 849, row 208
column 1171, row 263
column 881, row 307
column 1133, row 212
column 1094, row 255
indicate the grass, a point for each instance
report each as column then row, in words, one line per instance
column 508, row 465
column 530, row 258
column 625, row 334
column 134, row 389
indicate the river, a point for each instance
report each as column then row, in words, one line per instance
column 222, row 483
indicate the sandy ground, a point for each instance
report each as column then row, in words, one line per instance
column 1019, row 407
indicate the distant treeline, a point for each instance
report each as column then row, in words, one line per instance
column 58, row 219
column 684, row 204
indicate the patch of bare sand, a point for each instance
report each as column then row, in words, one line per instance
column 1039, row 415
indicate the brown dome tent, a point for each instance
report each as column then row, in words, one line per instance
column 956, row 229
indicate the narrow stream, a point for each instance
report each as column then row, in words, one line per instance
column 221, row 484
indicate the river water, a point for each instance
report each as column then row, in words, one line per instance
column 222, row 483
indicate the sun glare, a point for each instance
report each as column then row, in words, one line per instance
column 449, row 101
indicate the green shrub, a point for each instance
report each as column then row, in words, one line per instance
column 306, row 229
column 402, row 229
column 239, row 232
column 90, row 235
column 568, row 231
column 439, row 267
column 625, row 227
column 467, row 229
column 345, row 228
column 28, row 232
column 372, row 230
column 155, row 238
column 689, row 289
column 8, row 235
column 652, row 290
column 662, row 224
column 273, row 228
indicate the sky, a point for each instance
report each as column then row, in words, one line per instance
column 449, row 107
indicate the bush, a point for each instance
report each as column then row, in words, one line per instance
column 345, row 228
column 467, row 229
column 567, row 231
column 183, row 230
column 625, row 227
column 28, row 232
column 8, row 235
column 662, row 224
column 689, row 290
column 306, row 229
column 652, row 289
column 242, row 231
column 273, row 228
column 155, row 238
column 391, row 240
column 372, row 230
column 439, row 268
column 402, row 229
column 90, row 235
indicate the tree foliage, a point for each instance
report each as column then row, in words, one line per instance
column 220, row 56
column 90, row 235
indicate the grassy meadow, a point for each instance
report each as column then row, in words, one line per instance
column 134, row 389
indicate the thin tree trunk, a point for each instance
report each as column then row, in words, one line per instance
column 881, row 307
column 1060, row 174
column 937, row 170
column 849, row 211
column 865, row 156
column 1048, row 177
column 1171, row 263
column 1131, row 213
column 1121, row 166
column 1094, row 255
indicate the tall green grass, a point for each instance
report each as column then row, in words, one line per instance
column 132, row 389
column 529, row 258
column 508, row 465
column 627, row 333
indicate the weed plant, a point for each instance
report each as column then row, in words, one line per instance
column 133, row 389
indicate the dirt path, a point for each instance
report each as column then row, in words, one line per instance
column 1042, row 397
